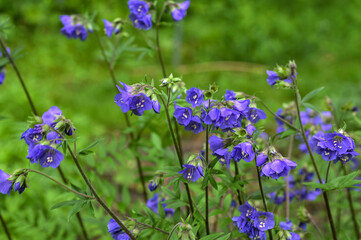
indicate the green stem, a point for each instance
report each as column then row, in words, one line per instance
column 149, row 226
column 206, row 189
column 97, row 197
column 325, row 197
column 263, row 197
column 158, row 42
column 59, row 183
column 328, row 171
column 173, row 230
column 353, row 214
column 3, row 45
column 290, row 148
column 5, row 227
column 128, row 123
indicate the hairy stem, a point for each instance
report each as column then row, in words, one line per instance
column 325, row 197
column 173, row 230
column 5, row 227
column 59, row 183
column 149, row 226
column 128, row 123
column 263, row 197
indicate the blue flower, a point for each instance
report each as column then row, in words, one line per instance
column 51, row 115
column 73, row 28
column 122, row 99
column 45, row 155
column 273, row 78
column 228, row 119
column 152, row 204
column 286, row 225
column 261, row 159
column 195, row 125
column 6, row 185
column 264, row 221
column 152, row 186
column 277, row 168
column 191, row 172
column 141, row 22
column 243, row 151
column 53, row 135
column 140, row 103
column 139, row 8
column 116, row 231
column 183, row 115
column 212, row 117
column 156, row 106
column 180, row 11
column 230, row 95
column 32, row 135
column 194, row 97
column 223, row 156
column 110, row 28
column 241, row 106
column 2, row 76
column 215, row 143
column 247, row 211
column 254, row 115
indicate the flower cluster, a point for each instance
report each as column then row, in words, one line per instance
column 152, row 204
column 139, row 14
column 179, row 10
column 281, row 76
column 18, row 181
column 75, row 26
column 297, row 189
column 137, row 98
column 2, row 68
column 253, row 223
column 334, row 146
column 225, row 115
column 287, row 231
column 43, row 138
column 193, row 170
column 273, row 164
column 116, row 231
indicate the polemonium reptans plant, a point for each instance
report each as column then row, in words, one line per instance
column 193, row 192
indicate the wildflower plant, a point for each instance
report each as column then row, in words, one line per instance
column 192, row 193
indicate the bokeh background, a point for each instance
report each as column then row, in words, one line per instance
column 231, row 43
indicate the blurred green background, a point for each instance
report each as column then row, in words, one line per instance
column 229, row 42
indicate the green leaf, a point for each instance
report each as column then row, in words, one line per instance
column 64, row 204
column 342, row 182
column 213, row 181
column 156, row 140
column 205, row 181
column 177, row 204
column 214, row 161
column 214, row 236
column 90, row 208
column 226, row 237
column 358, row 121
column 161, row 211
column 76, row 208
column 85, row 151
column 287, row 133
column 311, row 94
column 309, row 105
column 266, row 190
column 126, row 196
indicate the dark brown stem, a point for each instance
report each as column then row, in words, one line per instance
column 3, row 45
column 206, row 189
column 290, row 148
column 158, row 42
column 5, row 227
column 328, row 171
column 325, row 197
column 239, row 194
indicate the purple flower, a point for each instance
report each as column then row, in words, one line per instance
column 215, row 143
column 139, row 8
column 250, row 129
column 194, row 97
column 45, row 155
column 2, row 76
column 195, row 125
column 110, row 28
column 233, row 204
column 277, row 168
column 32, row 135
column 53, row 135
column 264, row 221
column 140, row 103
column 261, row 159
column 223, row 156
column 141, row 22
column 180, row 11
column 152, row 204
column 152, row 186
column 254, row 115
column 243, row 151
column 273, row 78
column 183, row 115
column 242, row 106
column 228, row 118
column 212, row 117
column 122, row 99
column 156, row 106
column 230, row 95
column 191, row 172
column 247, row 211
column 286, row 225
column 6, row 185
column 72, row 28
column 116, row 231
column 51, row 115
